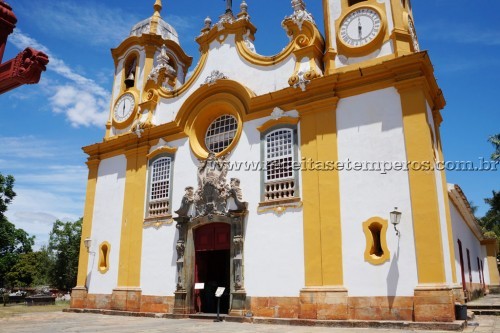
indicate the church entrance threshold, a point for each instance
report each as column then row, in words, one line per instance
column 212, row 266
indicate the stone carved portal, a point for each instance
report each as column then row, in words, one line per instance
column 215, row 201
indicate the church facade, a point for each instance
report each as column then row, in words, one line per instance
column 277, row 178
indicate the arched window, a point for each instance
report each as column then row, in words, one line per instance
column 353, row 2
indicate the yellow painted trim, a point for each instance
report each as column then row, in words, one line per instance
column 276, row 122
column 423, row 191
column 260, row 60
column 322, row 223
column 151, row 40
column 83, row 261
column 129, row 270
column 327, row 23
column 205, row 114
column 382, row 73
column 449, row 227
column 491, row 252
column 162, row 150
column 103, row 263
column 373, row 258
column 175, row 93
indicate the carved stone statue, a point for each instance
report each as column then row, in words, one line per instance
column 187, row 200
column 237, row 195
column 211, row 196
column 212, row 190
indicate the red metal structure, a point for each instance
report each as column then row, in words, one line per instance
column 27, row 66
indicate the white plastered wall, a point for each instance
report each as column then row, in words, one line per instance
column 273, row 244
column 462, row 232
column 106, row 223
column 226, row 59
column 370, row 128
column 158, row 264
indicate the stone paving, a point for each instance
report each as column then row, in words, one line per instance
column 59, row 322
column 488, row 300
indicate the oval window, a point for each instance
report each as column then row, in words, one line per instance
column 220, row 134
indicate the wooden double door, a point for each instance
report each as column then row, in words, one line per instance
column 212, row 266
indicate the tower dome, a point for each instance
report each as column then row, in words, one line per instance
column 155, row 25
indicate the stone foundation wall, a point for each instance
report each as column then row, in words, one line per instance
column 474, row 291
column 425, row 306
column 355, row 308
column 157, row 304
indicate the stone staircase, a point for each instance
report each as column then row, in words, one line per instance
column 486, row 306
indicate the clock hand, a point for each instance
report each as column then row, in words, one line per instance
column 123, row 111
column 360, row 28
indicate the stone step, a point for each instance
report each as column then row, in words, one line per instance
column 487, row 312
column 207, row 316
column 483, row 307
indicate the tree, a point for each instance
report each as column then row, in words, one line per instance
column 32, row 269
column 64, row 245
column 13, row 241
column 6, row 192
column 495, row 140
column 491, row 221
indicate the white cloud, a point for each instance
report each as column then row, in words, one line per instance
column 35, row 211
column 23, row 147
column 82, row 100
column 81, row 107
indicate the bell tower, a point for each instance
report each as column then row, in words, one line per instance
column 358, row 31
column 151, row 56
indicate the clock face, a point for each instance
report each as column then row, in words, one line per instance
column 124, row 108
column 360, row 27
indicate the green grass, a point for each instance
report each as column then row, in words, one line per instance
column 18, row 309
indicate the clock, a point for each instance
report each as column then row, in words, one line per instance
column 360, row 28
column 124, row 108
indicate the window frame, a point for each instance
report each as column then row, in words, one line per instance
column 150, row 174
column 295, row 158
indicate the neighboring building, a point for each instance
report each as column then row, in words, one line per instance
column 291, row 233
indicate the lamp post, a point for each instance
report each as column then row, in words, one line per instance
column 396, row 219
column 87, row 242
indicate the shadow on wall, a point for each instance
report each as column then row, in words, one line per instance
column 393, row 277
column 89, row 275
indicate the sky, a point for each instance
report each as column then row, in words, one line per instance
column 44, row 126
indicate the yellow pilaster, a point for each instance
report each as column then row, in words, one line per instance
column 330, row 53
column 400, row 35
column 451, row 243
column 149, row 62
column 423, row 191
column 321, row 195
column 88, row 213
column 129, row 272
column 491, row 253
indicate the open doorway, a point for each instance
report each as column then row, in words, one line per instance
column 212, row 266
